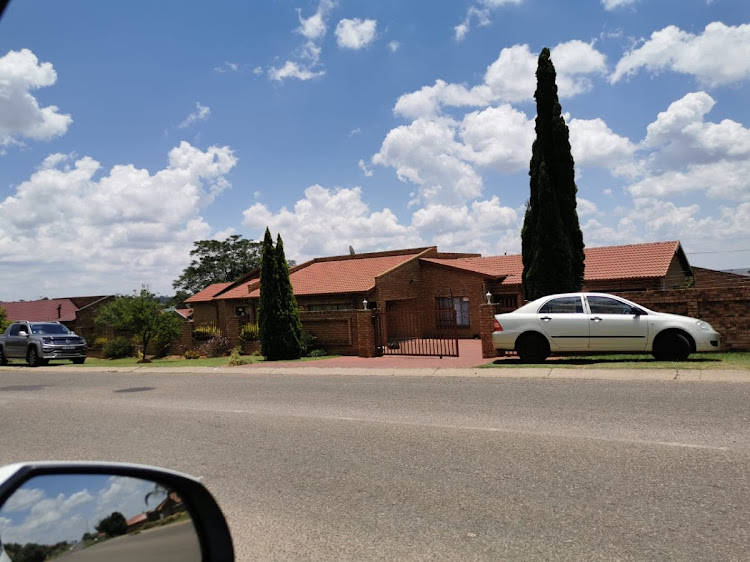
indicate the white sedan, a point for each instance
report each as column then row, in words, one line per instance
column 598, row 323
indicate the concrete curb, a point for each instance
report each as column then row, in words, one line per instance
column 559, row 373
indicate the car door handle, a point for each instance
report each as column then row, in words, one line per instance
column 545, row 318
column 596, row 319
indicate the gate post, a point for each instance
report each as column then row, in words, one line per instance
column 366, row 344
column 486, row 327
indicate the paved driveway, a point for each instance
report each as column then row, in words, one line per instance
column 469, row 355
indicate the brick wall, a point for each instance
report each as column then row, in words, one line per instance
column 342, row 332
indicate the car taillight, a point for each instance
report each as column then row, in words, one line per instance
column 496, row 326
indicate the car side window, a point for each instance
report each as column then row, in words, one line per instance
column 563, row 305
column 14, row 329
column 606, row 305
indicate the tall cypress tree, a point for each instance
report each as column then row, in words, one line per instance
column 268, row 307
column 290, row 338
column 544, row 237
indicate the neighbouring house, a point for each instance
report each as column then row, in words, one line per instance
column 427, row 282
column 137, row 521
column 77, row 313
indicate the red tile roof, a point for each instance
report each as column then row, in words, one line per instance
column 39, row 311
column 358, row 273
column 208, row 293
column 632, row 261
column 345, row 275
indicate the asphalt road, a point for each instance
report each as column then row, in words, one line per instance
column 312, row 467
column 171, row 543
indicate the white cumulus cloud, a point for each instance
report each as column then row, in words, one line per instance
column 478, row 15
column 716, row 57
column 103, row 232
column 355, row 33
column 610, row 5
column 21, row 116
column 201, row 113
column 328, row 221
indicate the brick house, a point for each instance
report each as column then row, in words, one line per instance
column 77, row 313
column 332, row 292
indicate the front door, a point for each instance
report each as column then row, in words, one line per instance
column 565, row 323
column 615, row 326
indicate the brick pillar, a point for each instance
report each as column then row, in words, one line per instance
column 365, row 333
column 486, row 325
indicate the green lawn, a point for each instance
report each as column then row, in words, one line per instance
column 723, row 360
column 171, row 362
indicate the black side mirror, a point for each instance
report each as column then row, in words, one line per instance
column 109, row 511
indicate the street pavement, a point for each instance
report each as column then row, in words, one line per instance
column 421, row 463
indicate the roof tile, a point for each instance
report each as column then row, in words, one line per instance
column 208, row 293
column 40, row 311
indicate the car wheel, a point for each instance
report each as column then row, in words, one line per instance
column 532, row 348
column 671, row 346
column 32, row 357
column 79, row 360
column 3, row 358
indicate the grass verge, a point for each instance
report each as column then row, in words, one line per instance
column 723, row 360
column 175, row 361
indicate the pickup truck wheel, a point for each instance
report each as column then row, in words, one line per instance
column 3, row 358
column 532, row 348
column 671, row 346
column 32, row 357
column 78, row 360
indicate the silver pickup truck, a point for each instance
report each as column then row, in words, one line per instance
column 38, row 342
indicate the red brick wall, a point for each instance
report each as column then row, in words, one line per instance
column 342, row 332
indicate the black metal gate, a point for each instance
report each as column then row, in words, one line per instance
column 404, row 330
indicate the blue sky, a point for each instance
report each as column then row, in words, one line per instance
column 129, row 130
column 50, row 509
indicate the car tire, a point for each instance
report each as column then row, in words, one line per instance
column 671, row 346
column 3, row 358
column 532, row 348
column 78, row 360
column 32, row 357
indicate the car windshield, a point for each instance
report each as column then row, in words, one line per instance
column 49, row 329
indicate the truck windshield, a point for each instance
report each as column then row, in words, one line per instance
column 49, row 329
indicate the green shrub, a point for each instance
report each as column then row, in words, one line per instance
column 192, row 354
column 250, row 332
column 318, row 353
column 216, row 347
column 99, row 343
column 118, row 348
column 205, row 332
column 235, row 358
column 308, row 343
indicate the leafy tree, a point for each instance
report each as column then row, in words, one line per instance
column 218, row 261
column 278, row 313
column 113, row 525
column 29, row 552
column 141, row 314
column 179, row 298
column 3, row 319
column 551, row 238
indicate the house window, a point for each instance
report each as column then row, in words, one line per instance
column 330, row 306
column 448, row 306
